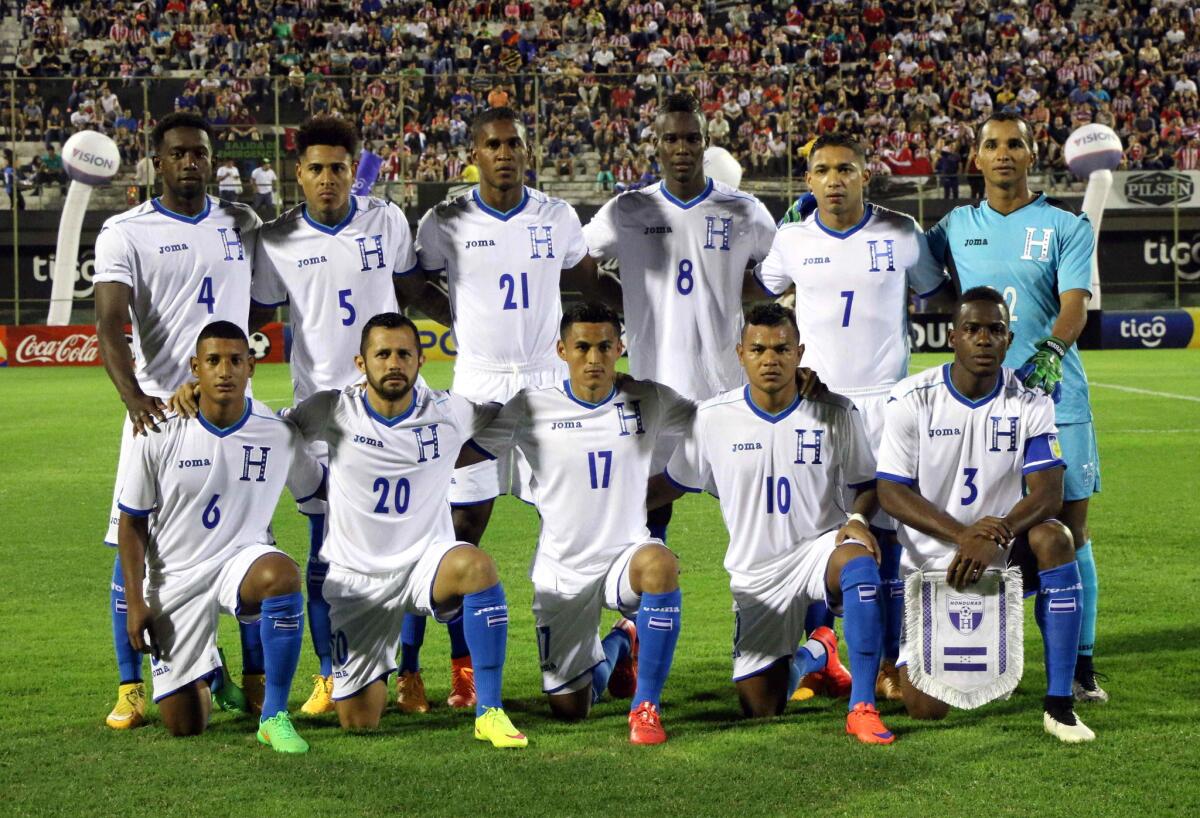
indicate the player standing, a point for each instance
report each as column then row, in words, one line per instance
column 686, row 247
column 853, row 265
column 335, row 260
column 195, row 540
column 391, row 547
column 589, row 442
column 970, row 466
column 171, row 265
column 1037, row 253
column 505, row 250
column 780, row 465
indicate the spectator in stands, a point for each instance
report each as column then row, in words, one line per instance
column 264, row 179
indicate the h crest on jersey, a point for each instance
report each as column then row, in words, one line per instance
column 536, row 244
column 804, row 445
column 633, row 416
column 426, row 439
column 712, row 231
column 231, row 243
column 366, row 253
column 261, row 463
column 997, row 433
column 887, row 252
column 1042, row 243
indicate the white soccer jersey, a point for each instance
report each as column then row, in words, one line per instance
column 590, row 464
column 185, row 272
column 334, row 279
column 965, row 457
column 210, row 491
column 781, row 478
column 682, row 269
column 504, row 273
column 852, row 293
column 388, row 477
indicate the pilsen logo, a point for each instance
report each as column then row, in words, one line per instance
column 1158, row 188
column 74, row 349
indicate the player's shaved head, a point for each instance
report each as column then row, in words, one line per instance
column 589, row 312
column 386, row 320
column 986, row 294
column 769, row 314
column 226, row 330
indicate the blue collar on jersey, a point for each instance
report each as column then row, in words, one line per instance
column 1038, row 199
column 767, row 416
column 389, row 422
column 337, row 228
column 581, row 401
column 861, row 224
column 179, row 217
column 965, row 401
column 502, row 215
column 228, row 430
column 690, row 203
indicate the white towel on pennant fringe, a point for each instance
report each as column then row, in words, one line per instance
column 967, row 647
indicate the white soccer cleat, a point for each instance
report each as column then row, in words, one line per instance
column 1076, row 733
column 1093, row 695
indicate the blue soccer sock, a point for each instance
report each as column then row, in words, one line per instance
column 412, row 636
column 1058, row 612
column 129, row 661
column 808, row 659
column 318, row 608
column 282, row 628
column 817, row 616
column 892, row 588
column 252, row 648
column 458, row 640
column 616, row 647
column 658, row 632
column 863, row 612
column 485, row 626
column 658, row 531
column 1089, row 596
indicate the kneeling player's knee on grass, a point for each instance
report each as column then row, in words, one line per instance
column 920, row 705
column 654, row 570
column 572, row 706
column 274, row 575
column 1052, row 544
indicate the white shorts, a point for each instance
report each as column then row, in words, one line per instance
column 509, row 473
column 568, row 624
column 185, row 616
column 870, row 404
column 114, row 514
column 769, row 625
column 365, row 614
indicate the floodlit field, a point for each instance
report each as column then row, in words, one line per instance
column 58, row 446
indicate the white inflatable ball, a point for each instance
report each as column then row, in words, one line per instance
column 1091, row 148
column 91, row 157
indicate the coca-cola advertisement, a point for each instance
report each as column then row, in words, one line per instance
column 38, row 345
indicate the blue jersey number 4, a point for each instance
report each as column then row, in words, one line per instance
column 206, row 294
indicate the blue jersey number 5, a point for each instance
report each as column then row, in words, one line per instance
column 344, row 303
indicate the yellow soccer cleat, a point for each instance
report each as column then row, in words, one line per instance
column 321, row 700
column 254, row 686
column 130, row 711
column 887, row 684
column 495, row 727
column 808, row 688
column 410, row 693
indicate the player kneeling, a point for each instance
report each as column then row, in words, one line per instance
column 779, row 464
column 961, row 444
column 390, row 544
column 195, row 541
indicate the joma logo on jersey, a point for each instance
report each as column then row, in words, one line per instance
column 975, row 243
column 368, row 441
column 171, row 248
column 565, row 424
column 747, row 447
column 193, row 464
column 1043, row 243
column 308, row 262
column 480, row 243
column 655, row 231
column 944, row 432
column 817, row 260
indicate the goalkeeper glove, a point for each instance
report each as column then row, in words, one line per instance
column 1044, row 369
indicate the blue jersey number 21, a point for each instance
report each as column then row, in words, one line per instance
column 510, row 283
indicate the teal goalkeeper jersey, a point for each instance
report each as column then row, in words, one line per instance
column 1030, row 256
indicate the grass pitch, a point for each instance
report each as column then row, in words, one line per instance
column 58, row 447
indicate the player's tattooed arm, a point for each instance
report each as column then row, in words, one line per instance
column 1042, row 502
column 133, row 534
column 112, row 313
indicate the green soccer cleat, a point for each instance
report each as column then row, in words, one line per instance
column 229, row 697
column 495, row 727
column 278, row 733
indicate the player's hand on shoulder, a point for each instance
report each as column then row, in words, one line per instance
column 807, row 380
column 186, row 400
column 145, row 412
column 855, row 531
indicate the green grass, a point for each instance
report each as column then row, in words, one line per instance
column 58, row 447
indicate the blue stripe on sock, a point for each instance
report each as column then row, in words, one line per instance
column 1059, row 613
column 129, row 661
column 863, row 612
column 282, row 629
column 485, row 627
column 658, row 622
column 1090, row 596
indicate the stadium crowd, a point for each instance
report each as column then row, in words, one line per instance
column 911, row 77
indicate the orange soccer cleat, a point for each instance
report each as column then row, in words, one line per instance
column 645, row 726
column 864, row 724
